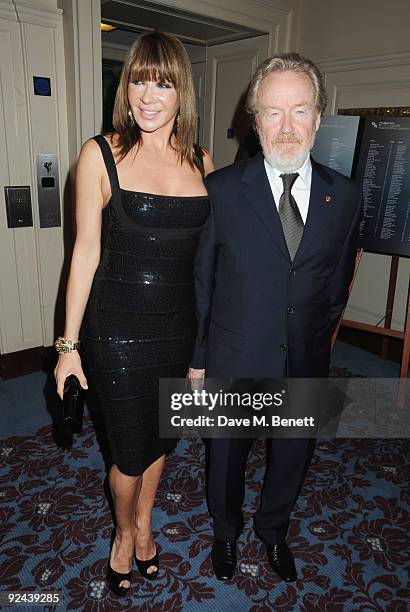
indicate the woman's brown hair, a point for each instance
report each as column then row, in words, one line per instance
column 161, row 57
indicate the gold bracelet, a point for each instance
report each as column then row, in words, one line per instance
column 63, row 346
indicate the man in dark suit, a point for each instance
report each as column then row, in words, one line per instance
column 272, row 274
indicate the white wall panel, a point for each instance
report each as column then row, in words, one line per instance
column 364, row 50
column 20, row 315
column 366, row 82
column 41, row 61
column 229, row 69
column 31, row 44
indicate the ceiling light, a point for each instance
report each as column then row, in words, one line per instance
column 106, row 27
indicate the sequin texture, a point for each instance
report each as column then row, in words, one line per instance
column 139, row 324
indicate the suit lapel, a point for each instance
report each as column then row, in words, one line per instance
column 259, row 195
column 321, row 203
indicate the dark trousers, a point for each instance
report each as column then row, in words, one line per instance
column 287, row 463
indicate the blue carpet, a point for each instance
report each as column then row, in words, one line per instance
column 349, row 529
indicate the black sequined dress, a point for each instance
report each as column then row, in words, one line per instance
column 139, row 324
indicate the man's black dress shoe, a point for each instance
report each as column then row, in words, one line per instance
column 281, row 561
column 223, row 556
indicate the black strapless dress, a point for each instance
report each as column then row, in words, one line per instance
column 139, row 324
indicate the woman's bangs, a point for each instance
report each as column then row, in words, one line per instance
column 152, row 65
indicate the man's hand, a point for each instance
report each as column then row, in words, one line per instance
column 194, row 373
column 197, row 379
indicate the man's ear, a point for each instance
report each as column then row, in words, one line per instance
column 255, row 126
column 318, row 118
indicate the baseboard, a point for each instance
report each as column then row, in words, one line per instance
column 44, row 358
column 372, row 343
column 36, row 359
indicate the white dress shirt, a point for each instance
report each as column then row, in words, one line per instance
column 300, row 189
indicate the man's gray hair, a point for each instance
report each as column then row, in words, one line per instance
column 284, row 62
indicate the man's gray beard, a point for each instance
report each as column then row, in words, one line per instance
column 291, row 163
column 287, row 165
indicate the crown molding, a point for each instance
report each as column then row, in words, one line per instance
column 27, row 12
column 7, row 11
column 365, row 62
column 285, row 7
column 261, row 15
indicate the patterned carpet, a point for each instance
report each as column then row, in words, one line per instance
column 349, row 530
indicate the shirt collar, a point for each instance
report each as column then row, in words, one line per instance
column 305, row 173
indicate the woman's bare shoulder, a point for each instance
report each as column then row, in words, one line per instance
column 90, row 166
column 91, row 151
column 112, row 138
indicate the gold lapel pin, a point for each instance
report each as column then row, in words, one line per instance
column 328, row 199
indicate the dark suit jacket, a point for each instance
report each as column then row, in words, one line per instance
column 259, row 313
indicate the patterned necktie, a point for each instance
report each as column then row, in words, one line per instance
column 292, row 222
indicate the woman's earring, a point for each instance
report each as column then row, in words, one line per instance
column 177, row 122
column 131, row 119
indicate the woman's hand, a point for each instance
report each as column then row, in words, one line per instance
column 67, row 364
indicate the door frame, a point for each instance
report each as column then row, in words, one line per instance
column 222, row 53
column 281, row 22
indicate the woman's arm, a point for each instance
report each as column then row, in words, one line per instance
column 86, row 255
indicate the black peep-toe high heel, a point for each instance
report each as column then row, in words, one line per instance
column 114, row 578
column 144, row 565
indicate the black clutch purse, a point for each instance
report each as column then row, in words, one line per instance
column 73, row 404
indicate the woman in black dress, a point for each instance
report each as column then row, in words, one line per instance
column 141, row 204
